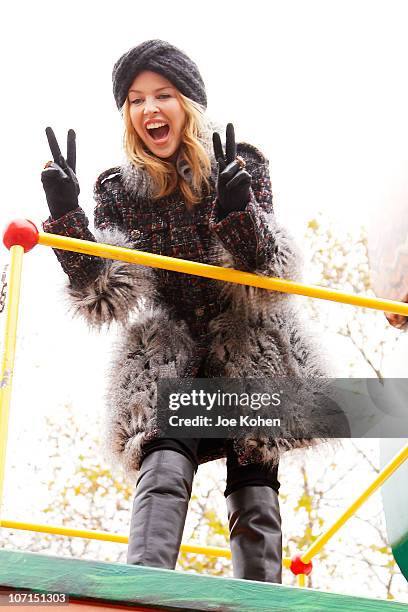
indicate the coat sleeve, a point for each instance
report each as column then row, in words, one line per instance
column 101, row 290
column 253, row 238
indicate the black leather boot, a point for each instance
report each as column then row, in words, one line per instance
column 255, row 533
column 160, row 505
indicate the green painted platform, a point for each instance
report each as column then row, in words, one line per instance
column 158, row 589
column 395, row 502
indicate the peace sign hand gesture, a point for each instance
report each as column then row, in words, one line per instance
column 234, row 183
column 58, row 177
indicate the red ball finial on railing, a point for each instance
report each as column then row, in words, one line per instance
column 22, row 232
column 297, row 566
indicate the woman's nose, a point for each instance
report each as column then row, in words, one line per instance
column 150, row 105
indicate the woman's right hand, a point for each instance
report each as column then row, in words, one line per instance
column 58, row 177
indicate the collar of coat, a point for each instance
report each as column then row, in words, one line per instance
column 138, row 182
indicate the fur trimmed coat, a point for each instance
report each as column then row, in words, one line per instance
column 174, row 325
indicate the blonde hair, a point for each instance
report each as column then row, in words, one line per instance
column 195, row 142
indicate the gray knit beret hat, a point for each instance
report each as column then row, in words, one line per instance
column 161, row 57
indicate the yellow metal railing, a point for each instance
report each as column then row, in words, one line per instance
column 218, row 273
column 89, row 534
column 9, row 349
column 26, row 236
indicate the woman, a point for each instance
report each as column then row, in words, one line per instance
column 179, row 195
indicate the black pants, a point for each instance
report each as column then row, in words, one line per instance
column 256, row 474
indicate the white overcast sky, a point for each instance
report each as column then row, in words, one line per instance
column 319, row 86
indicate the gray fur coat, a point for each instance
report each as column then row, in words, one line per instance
column 173, row 324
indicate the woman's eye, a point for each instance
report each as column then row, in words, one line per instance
column 164, row 96
column 136, row 101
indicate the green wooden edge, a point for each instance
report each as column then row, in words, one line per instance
column 172, row 590
column 400, row 552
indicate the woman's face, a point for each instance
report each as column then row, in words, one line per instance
column 153, row 103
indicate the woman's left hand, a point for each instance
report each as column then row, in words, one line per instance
column 234, row 183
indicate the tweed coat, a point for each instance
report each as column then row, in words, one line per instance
column 174, row 323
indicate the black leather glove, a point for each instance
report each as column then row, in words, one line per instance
column 58, row 178
column 233, row 187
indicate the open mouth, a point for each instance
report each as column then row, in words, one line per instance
column 160, row 133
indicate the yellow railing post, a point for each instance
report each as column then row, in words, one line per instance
column 296, row 563
column 301, row 580
column 9, row 348
column 385, row 473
